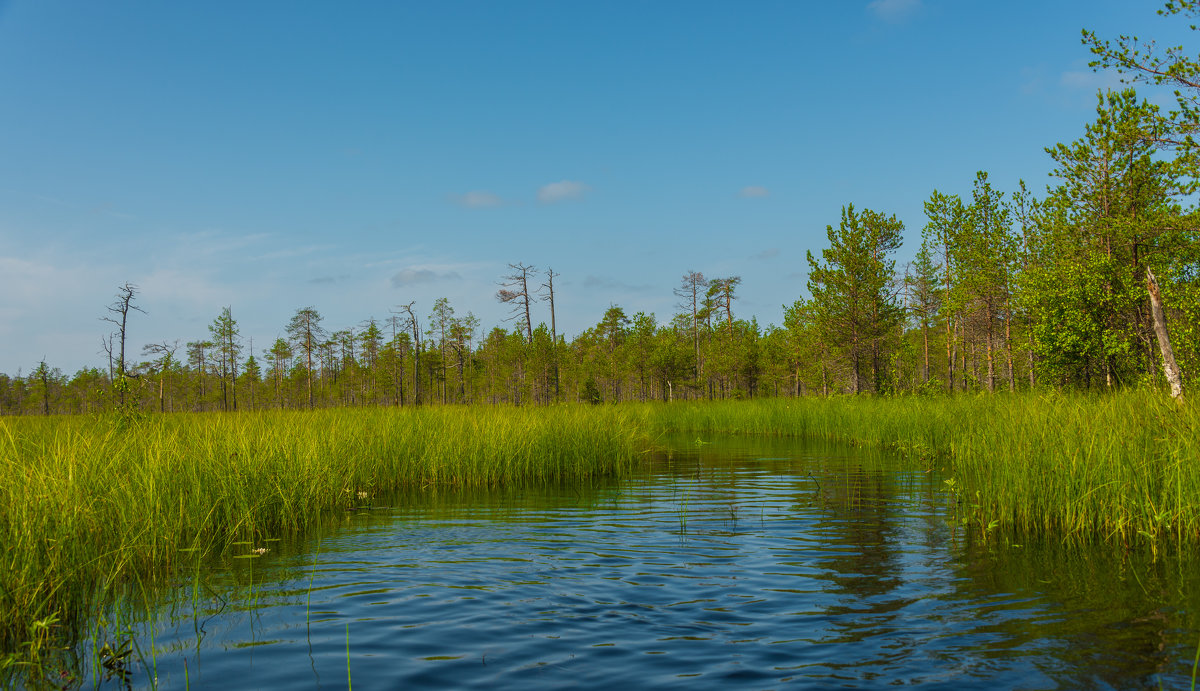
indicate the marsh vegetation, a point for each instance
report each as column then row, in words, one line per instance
column 92, row 503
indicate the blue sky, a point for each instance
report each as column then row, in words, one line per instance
column 356, row 156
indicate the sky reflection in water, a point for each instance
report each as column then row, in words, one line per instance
column 744, row 563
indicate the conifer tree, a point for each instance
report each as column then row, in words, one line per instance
column 853, row 298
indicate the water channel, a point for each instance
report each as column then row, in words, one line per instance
column 739, row 563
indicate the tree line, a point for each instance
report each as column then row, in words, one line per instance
column 1093, row 285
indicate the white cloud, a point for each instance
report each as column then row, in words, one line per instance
column 73, row 293
column 592, row 282
column 188, row 246
column 28, row 283
column 769, row 253
column 189, row 288
column 893, row 11
column 478, row 199
column 755, row 191
column 292, row 252
column 561, row 191
column 1090, row 81
column 328, row 280
column 1032, row 79
column 415, row 275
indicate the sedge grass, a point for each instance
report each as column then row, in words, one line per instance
column 1123, row 467
column 86, row 503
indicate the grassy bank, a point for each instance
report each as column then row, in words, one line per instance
column 1123, row 467
column 85, row 502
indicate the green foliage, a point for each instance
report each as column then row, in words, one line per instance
column 1004, row 289
column 1112, row 215
column 591, row 392
column 853, row 304
column 85, row 504
column 1140, row 61
column 1078, row 467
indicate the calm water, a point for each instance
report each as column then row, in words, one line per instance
column 741, row 564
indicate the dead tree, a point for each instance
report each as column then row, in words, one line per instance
column 515, row 291
column 1170, row 368
column 689, row 290
column 416, row 332
column 549, row 297
column 120, row 309
column 106, row 348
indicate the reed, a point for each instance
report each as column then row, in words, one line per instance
column 86, row 503
column 1123, row 467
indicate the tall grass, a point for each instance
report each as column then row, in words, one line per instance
column 1123, row 467
column 89, row 502
column 86, row 502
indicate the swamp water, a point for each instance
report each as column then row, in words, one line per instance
column 742, row 563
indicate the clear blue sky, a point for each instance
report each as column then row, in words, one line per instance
column 354, row 156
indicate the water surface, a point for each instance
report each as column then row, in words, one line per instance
column 740, row 563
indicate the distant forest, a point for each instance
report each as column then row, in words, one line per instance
column 1092, row 286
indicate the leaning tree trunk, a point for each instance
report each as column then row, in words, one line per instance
column 1170, row 368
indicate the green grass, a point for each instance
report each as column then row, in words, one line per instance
column 86, row 503
column 89, row 504
column 1122, row 467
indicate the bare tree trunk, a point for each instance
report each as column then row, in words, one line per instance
column 689, row 290
column 950, row 342
column 949, row 324
column 925, row 336
column 1012, row 377
column 991, row 359
column 854, row 358
column 518, row 278
column 549, row 285
column 121, row 307
column 963, row 360
column 1032, row 371
column 1170, row 368
column 876, row 380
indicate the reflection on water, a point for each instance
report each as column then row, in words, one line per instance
column 745, row 563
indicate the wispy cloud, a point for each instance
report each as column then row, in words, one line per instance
column 769, row 253
column 1090, row 81
column 1033, row 79
column 755, row 191
column 894, row 11
column 477, row 199
column 328, row 280
column 194, row 287
column 602, row 283
column 209, row 243
column 417, row 275
column 561, row 191
column 106, row 209
column 292, row 252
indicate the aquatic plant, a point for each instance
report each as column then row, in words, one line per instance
column 1122, row 467
column 87, row 502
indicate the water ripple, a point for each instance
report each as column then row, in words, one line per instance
column 727, row 569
